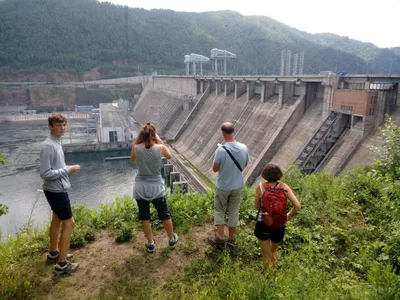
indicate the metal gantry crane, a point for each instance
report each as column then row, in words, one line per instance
column 195, row 59
column 217, row 54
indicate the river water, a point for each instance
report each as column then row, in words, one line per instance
column 99, row 181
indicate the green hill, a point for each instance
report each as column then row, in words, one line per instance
column 379, row 59
column 75, row 36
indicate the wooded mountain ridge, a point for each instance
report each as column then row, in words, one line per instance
column 79, row 36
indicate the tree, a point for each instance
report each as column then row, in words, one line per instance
column 388, row 163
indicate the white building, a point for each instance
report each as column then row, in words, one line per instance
column 111, row 129
column 115, row 123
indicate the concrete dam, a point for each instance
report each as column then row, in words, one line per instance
column 316, row 121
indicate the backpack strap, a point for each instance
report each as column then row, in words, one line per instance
column 262, row 189
column 269, row 187
column 234, row 160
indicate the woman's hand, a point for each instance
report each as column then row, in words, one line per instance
column 159, row 141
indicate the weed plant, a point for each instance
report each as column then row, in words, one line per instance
column 344, row 244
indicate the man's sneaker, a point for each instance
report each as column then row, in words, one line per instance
column 216, row 241
column 151, row 247
column 67, row 269
column 173, row 242
column 52, row 259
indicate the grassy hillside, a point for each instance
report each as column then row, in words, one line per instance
column 76, row 36
column 344, row 244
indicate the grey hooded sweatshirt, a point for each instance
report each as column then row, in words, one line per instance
column 53, row 169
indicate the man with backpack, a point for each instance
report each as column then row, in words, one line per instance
column 271, row 202
column 229, row 161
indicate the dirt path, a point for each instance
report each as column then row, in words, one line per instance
column 106, row 265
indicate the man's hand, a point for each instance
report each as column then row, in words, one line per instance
column 74, row 168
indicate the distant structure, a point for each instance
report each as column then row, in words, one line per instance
column 115, row 124
column 301, row 65
column 195, row 59
column 282, row 63
column 296, row 64
column 286, row 62
column 84, row 108
column 217, row 54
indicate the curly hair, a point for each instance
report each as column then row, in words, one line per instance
column 271, row 173
column 147, row 135
column 57, row 118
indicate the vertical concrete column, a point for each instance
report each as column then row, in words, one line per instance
column 168, row 169
column 263, row 86
column 229, row 87
column 194, row 68
column 240, row 88
column 380, row 108
column 180, row 187
column 327, row 104
column 236, row 89
column 174, row 177
column 302, row 87
column 201, row 86
column 251, row 88
column 269, row 89
column 330, row 84
column 281, row 89
column 219, row 86
column 164, row 161
column 212, row 86
column 289, row 91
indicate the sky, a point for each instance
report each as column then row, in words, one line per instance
column 377, row 22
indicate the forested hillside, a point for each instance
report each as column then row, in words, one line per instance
column 76, row 36
column 381, row 60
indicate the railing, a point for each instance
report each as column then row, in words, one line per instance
column 313, row 150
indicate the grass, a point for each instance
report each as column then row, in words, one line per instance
column 345, row 244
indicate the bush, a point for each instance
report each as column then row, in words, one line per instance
column 124, row 233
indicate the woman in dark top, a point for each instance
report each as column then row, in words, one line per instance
column 147, row 151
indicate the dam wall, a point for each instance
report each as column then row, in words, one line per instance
column 275, row 116
column 300, row 136
column 159, row 107
column 279, row 128
column 182, row 85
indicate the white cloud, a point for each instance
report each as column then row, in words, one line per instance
column 377, row 22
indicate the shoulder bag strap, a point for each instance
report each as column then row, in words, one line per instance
column 234, row 160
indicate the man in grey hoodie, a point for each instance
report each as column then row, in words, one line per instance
column 54, row 172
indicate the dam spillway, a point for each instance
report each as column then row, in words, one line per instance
column 275, row 117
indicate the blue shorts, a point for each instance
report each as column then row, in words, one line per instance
column 60, row 204
column 159, row 203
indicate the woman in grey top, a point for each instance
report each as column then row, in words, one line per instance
column 149, row 186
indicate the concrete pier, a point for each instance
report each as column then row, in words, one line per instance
column 20, row 118
column 240, row 88
column 96, row 147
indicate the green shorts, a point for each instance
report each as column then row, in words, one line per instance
column 226, row 203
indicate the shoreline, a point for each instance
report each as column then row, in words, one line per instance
column 22, row 117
